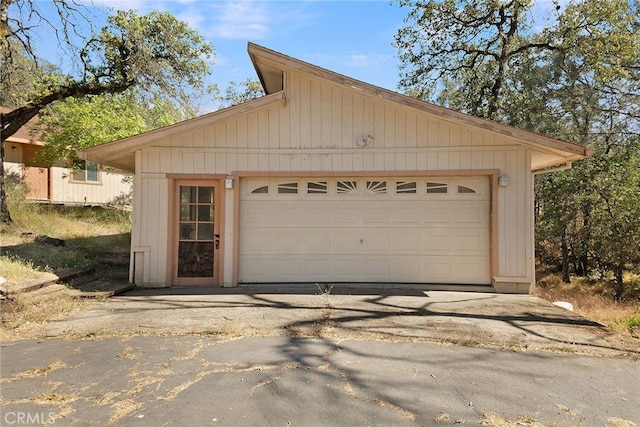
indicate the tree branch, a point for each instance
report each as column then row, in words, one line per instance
column 15, row 119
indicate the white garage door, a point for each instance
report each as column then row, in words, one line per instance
column 395, row 230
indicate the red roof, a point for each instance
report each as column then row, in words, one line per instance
column 28, row 134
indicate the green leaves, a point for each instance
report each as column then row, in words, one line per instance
column 467, row 45
column 578, row 80
column 238, row 93
column 601, row 36
column 78, row 123
column 151, row 52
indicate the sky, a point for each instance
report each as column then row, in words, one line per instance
column 353, row 38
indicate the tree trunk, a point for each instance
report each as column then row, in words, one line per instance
column 619, row 282
column 584, row 256
column 565, row 257
column 5, row 216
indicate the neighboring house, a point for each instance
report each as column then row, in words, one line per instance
column 327, row 179
column 88, row 184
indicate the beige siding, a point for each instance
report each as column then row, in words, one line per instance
column 12, row 169
column 315, row 131
column 149, row 235
column 12, row 157
column 110, row 189
column 514, row 207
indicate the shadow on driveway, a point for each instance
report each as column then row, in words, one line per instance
column 519, row 322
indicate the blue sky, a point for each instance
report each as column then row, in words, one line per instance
column 349, row 37
column 353, row 38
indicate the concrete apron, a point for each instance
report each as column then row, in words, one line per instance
column 518, row 322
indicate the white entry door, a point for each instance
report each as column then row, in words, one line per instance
column 395, row 230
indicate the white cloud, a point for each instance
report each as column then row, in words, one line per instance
column 226, row 19
column 139, row 5
column 246, row 20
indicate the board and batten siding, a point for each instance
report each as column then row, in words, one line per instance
column 315, row 130
column 110, row 189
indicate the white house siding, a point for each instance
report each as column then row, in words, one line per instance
column 110, row 189
column 12, row 157
column 149, row 232
column 12, row 170
column 315, row 131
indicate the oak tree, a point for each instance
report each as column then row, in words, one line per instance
column 574, row 77
column 154, row 52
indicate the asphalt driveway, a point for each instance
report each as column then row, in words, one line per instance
column 247, row 357
column 520, row 322
column 289, row 381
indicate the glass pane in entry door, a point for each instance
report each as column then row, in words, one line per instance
column 195, row 259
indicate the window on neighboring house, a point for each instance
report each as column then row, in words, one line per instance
column 85, row 171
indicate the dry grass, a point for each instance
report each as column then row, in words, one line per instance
column 87, row 233
column 24, row 313
column 62, row 222
column 19, row 270
column 593, row 299
column 494, row 419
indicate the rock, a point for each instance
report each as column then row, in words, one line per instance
column 4, row 292
column 564, row 304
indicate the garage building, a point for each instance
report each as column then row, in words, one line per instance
column 327, row 179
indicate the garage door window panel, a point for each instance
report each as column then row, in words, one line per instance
column 317, row 187
column 263, row 189
column 288, row 188
column 437, row 187
column 406, row 187
column 463, row 189
column 471, row 188
column 347, row 187
column 376, row 187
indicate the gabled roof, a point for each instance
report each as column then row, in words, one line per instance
column 27, row 134
column 121, row 154
column 271, row 67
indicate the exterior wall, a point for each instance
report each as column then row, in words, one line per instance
column 12, row 159
column 149, row 231
column 110, row 190
column 12, row 152
column 316, row 131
